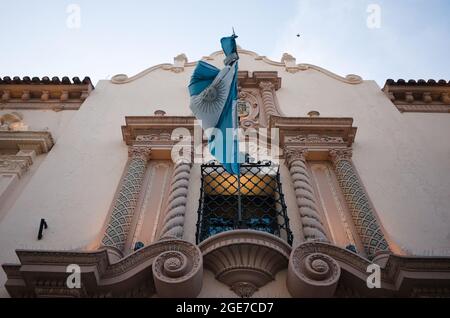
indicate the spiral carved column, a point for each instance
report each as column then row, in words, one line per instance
column 358, row 202
column 313, row 228
column 312, row 274
column 268, row 98
column 173, row 226
column 122, row 214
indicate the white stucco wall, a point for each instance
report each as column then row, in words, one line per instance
column 403, row 160
column 44, row 120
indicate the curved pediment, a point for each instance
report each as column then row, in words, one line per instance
column 288, row 64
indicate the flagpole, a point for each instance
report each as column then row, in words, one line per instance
column 239, row 163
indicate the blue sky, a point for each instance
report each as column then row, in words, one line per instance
column 413, row 40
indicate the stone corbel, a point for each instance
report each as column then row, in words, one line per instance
column 262, row 257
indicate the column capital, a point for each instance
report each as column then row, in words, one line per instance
column 142, row 152
column 295, row 153
column 340, row 154
column 266, row 86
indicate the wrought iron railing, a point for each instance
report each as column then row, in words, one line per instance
column 253, row 201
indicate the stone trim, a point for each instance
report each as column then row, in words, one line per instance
column 176, row 207
column 44, row 93
column 322, row 139
column 15, row 164
column 156, row 132
column 262, row 256
column 154, row 129
column 269, row 80
column 358, row 202
column 312, row 223
column 121, row 218
column 170, row 268
column 174, row 268
column 315, row 133
column 420, row 96
column 288, row 64
column 41, row 142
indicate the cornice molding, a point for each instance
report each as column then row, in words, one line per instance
column 44, row 93
column 174, row 268
column 155, row 130
column 314, row 133
column 420, row 96
column 40, row 142
column 147, row 269
column 260, row 80
column 288, row 63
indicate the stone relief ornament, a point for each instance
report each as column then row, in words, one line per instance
column 179, row 272
column 124, row 206
column 313, row 139
column 358, row 202
column 312, row 274
column 245, row 260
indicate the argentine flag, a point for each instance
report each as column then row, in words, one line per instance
column 213, row 101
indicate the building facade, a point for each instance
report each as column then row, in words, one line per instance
column 344, row 191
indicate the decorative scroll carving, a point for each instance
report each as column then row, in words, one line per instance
column 179, row 273
column 132, row 276
column 176, row 208
column 312, row 274
column 312, row 139
column 267, row 89
column 150, row 270
column 252, row 119
column 119, row 225
column 245, row 260
column 313, row 228
column 358, row 202
column 156, row 136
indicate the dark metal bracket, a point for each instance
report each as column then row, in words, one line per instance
column 42, row 227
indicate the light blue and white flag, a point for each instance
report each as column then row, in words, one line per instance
column 213, row 101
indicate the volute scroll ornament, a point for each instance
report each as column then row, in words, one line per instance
column 312, row 274
column 179, row 272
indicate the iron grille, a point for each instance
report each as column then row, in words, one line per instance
column 253, row 201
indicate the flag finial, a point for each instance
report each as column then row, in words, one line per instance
column 234, row 34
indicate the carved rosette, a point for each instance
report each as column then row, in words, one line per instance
column 122, row 214
column 176, row 209
column 178, row 273
column 267, row 93
column 358, row 202
column 313, row 228
column 312, row 274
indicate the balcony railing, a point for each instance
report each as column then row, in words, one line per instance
column 252, row 201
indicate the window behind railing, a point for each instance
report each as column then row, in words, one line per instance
column 252, row 201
